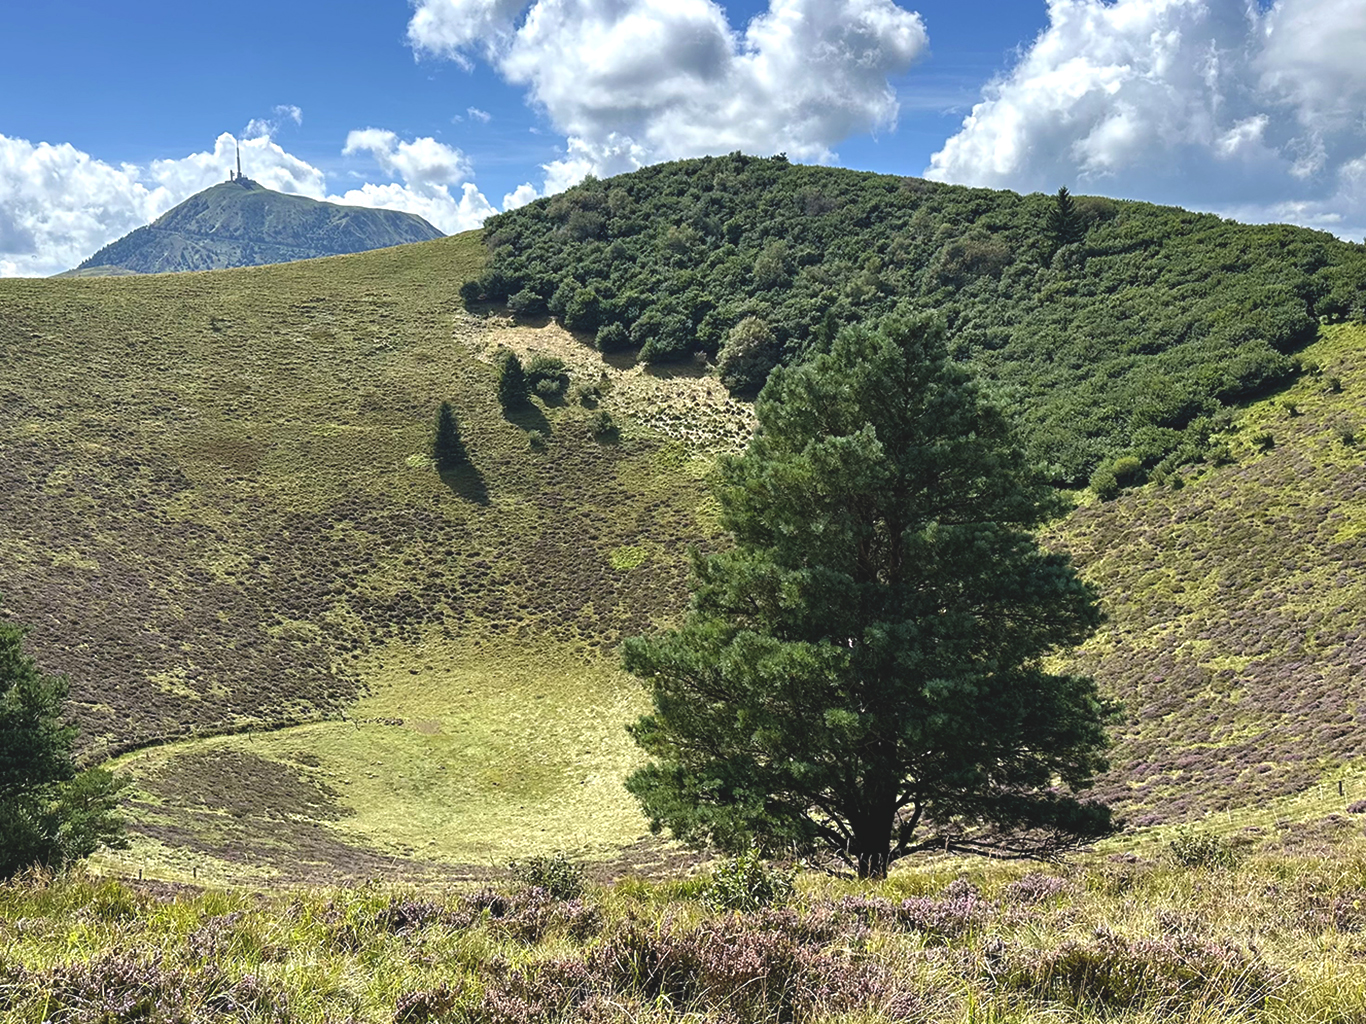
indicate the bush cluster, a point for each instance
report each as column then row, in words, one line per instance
column 1114, row 325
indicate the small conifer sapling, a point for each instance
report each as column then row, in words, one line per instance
column 448, row 449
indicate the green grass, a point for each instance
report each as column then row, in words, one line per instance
column 219, row 515
column 460, row 754
column 1275, row 938
column 1235, row 607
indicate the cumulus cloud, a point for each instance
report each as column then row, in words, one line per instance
column 429, row 170
column 634, row 81
column 59, row 205
column 1217, row 104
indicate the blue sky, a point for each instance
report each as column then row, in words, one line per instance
column 109, row 114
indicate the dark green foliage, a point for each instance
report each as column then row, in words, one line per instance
column 613, row 337
column 513, row 389
column 1065, row 225
column 1109, row 479
column 50, row 814
column 546, row 375
column 448, row 449
column 747, row 357
column 863, row 672
column 527, row 303
column 602, row 426
column 1162, row 317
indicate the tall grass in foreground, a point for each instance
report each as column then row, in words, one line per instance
column 1275, row 939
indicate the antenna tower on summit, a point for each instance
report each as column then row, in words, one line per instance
column 236, row 175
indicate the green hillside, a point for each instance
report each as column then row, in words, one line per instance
column 218, row 513
column 1123, row 334
column 243, row 224
column 1237, row 603
column 319, row 658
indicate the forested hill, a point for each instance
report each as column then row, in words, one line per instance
column 244, row 224
column 1117, row 331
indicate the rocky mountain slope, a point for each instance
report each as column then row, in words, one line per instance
column 240, row 223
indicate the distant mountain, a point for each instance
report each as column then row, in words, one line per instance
column 241, row 223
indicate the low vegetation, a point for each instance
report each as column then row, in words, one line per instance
column 1274, row 939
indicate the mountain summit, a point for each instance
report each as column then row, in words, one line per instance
column 241, row 223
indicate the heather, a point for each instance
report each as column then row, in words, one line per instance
column 1272, row 937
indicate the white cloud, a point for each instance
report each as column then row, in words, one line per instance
column 634, row 81
column 1216, row 104
column 269, row 126
column 59, row 205
column 429, row 170
column 520, row 196
column 475, row 114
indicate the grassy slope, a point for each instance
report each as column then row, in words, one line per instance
column 217, row 513
column 1277, row 940
column 1236, row 606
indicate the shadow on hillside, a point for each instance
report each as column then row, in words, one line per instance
column 528, row 417
column 622, row 358
column 533, row 320
column 467, row 482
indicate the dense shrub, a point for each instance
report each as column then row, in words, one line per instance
column 748, row 355
column 527, row 303
column 547, row 376
column 557, row 875
column 602, row 426
column 613, row 337
column 512, row 383
column 747, row 883
column 1192, row 848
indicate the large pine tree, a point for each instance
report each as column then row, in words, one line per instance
column 865, row 671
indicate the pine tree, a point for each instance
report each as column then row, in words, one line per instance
column 1064, row 222
column 864, row 672
column 448, row 448
column 513, row 390
column 50, row 813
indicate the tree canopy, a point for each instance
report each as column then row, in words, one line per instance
column 50, row 813
column 1120, row 331
column 864, row 672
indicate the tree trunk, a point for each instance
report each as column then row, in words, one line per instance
column 873, row 863
column 873, row 841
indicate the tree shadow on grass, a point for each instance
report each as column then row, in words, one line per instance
column 467, row 482
column 528, row 417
